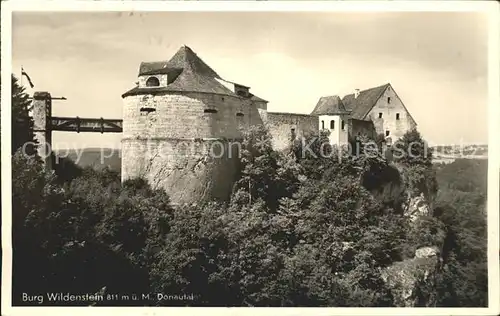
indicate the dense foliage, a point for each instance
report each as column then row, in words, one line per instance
column 462, row 208
column 300, row 229
column 22, row 123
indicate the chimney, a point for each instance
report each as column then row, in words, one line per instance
column 356, row 93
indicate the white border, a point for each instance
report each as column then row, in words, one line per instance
column 494, row 144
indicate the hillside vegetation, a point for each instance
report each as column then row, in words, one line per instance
column 298, row 230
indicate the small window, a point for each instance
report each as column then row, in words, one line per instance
column 332, row 124
column 387, row 133
column 239, row 114
column 147, row 110
column 152, row 82
column 322, row 124
column 388, row 99
column 210, row 111
column 292, row 132
column 380, row 115
column 343, row 124
column 397, row 116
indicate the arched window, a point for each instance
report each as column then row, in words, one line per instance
column 152, row 82
column 332, row 124
column 343, row 124
column 322, row 124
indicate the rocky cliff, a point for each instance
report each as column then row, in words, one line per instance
column 412, row 190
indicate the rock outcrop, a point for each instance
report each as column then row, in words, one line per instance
column 416, row 206
column 413, row 281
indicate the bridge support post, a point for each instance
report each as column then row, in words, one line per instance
column 42, row 112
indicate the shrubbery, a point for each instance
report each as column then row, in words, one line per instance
column 299, row 230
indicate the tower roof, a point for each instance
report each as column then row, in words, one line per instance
column 331, row 105
column 189, row 72
column 184, row 59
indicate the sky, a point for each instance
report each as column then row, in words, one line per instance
column 436, row 61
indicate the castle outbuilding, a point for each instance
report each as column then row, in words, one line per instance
column 371, row 112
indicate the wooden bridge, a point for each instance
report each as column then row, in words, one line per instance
column 80, row 124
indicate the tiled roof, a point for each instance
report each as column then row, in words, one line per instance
column 256, row 98
column 331, row 105
column 365, row 101
column 186, row 81
column 190, row 72
column 185, row 58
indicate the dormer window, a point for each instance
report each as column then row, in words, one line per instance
column 242, row 91
column 152, row 82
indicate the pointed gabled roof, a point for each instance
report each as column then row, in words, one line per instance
column 365, row 101
column 331, row 105
column 189, row 73
column 184, row 59
column 187, row 59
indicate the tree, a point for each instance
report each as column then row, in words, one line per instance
column 22, row 123
column 266, row 174
column 412, row 149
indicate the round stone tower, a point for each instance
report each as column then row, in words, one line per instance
column 182, row 128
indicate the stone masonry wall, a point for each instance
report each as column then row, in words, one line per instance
column 188, row 170
column 360, row 127
column 281, row 124
column 389, row 110
column 174, row 141
column 42, row 104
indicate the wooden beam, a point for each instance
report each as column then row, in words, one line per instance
column 92, row 125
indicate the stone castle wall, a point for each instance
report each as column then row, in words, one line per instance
column 360, row 127
column 186, row 142
column 281, row 125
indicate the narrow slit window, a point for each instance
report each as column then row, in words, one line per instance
column 147, row 110
column 210, row 111
column 397, row 116
column 343, row 124
column 332, row 124
column 292, row 134
column 380, row 115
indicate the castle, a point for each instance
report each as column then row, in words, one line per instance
column 181, row 120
